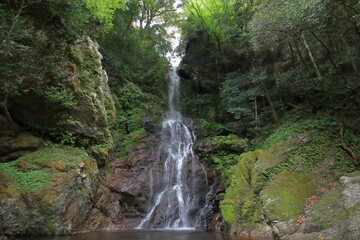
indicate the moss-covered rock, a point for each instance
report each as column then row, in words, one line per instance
column 245, row 183
column 284, row 198
column 57, row 86
column 276, row 184
column 229, row 210
column 14, row 147
column 337, row 213
column 221, row 153
column 50, row 191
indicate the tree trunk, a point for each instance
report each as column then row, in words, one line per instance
column 302, row 60
column 292, row 54
column 346, row 147
column 353, row 63
column 272, row 108
column 318, row 74
column 256, row 113
column 3, row 106
column 329, row 58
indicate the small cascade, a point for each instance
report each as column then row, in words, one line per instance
column 180, row 197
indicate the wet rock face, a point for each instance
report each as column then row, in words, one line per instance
column 138, row 177
column 132, row 178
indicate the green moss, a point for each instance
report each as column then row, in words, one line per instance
column 86, row 63
column 129, row 141
column 284, row 198
column 278, row 178
column 330, row 208
column 51, row 223
column 250, row 210
column 230, row 210
column 244, row 184
column 240, row 182
column 290, row 129
column 230, row 143
column 224, row 163
column 24, row 181
column 27, row 139
column 223, row 152
column 36, row 170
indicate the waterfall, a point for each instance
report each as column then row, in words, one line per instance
column 180, row 196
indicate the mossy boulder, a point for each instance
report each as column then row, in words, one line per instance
column 284, row 198
column 245, row 184
column 229, row 210
column 276, row 185
column 64, row 92
column 50, row 191
column 336, row 215
column 221, row 152
column 14, row 147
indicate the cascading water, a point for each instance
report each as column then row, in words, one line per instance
column 180, row 196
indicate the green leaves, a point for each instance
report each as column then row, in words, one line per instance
column 216, row 18
column 239, row 90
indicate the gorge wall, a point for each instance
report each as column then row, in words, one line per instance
column 279, row 143
column 54, row 93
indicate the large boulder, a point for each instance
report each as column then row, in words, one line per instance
column 55, row 191
column 85, row 109
column 53, row 82
column 289, row 188
column 336, row 215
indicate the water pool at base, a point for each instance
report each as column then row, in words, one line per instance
column 142, row 235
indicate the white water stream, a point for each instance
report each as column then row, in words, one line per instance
column 176, row 205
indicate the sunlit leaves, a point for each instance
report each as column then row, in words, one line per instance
column 104, row 10
column 211, row 16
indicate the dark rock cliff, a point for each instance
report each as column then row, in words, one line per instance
column 53, row 93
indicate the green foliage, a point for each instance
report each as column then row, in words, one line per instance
column 25, row 181
column 57, row 96
column 204, row 106
column 208, row 129
column 312, row 126
column 272, row 57
column 235, row 98
column 210, row 15
column 37, row 170
column 318, row 137
column 224, row 162
column 129, row 141
column 222, row 152
column 64, row 138
column 103, row 11
column 135, row 52
column 133, row 105
column 279, row 20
